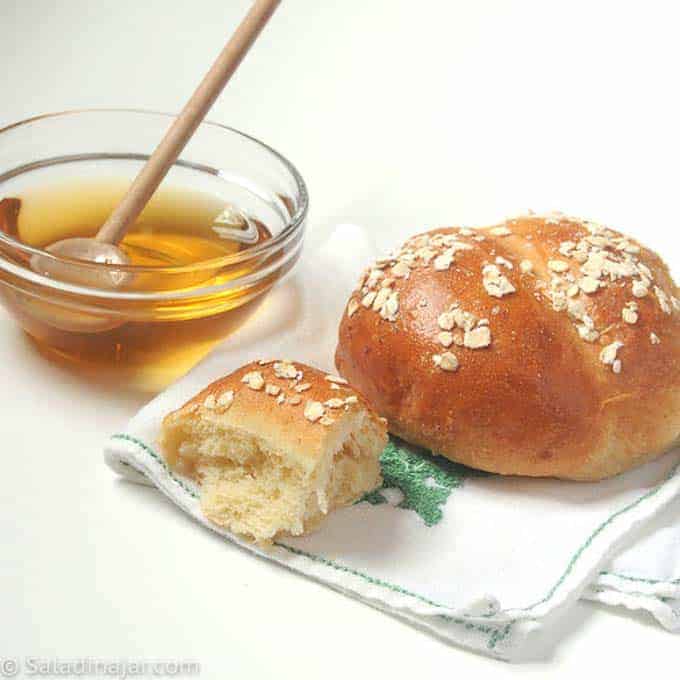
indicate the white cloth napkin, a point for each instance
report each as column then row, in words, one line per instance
column 484, row 561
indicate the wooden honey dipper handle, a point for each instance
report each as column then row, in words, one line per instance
column 184, row 126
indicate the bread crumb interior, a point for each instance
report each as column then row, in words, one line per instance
column 254, row 489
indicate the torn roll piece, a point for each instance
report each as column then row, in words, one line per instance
column 274, row 462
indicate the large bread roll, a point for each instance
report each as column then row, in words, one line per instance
column 546, row 346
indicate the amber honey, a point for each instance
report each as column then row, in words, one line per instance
column 181, row 244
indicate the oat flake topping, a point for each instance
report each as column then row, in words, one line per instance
column 226, row 399
column 335, row 402
column 477, row 338
column 314, row 410
column 605, row 259
column 377, row 287
column 254, row 380
column 608, row 356
column 495, row 283
column 559, row 266
column 630, row 313
column 285, row 369
column 588, row 284
column 446, row 361
column 579, row 268
column 336, row 379
column 640, row 289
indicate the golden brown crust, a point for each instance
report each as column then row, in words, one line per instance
column 291, row 403
column 535, row 394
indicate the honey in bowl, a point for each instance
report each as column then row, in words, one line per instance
column 181, row 243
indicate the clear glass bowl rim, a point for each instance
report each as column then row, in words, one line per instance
column 289, row 233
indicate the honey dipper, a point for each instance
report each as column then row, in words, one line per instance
column 103, row 247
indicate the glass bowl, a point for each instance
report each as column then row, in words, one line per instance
column 153, row 335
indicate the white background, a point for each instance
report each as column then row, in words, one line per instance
column 401, row 116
